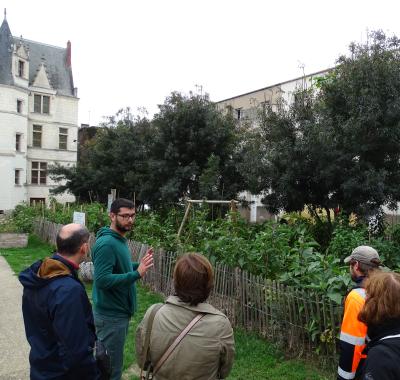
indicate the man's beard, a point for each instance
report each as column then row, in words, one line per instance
column 121, row 228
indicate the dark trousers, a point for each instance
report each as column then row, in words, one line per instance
column 112, row 332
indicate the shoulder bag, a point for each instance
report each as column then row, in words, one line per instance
column 148, row 371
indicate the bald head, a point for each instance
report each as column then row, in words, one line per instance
column 70, row 239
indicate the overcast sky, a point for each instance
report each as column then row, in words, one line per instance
column 134, row 53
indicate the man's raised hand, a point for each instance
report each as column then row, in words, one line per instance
column 146, row 263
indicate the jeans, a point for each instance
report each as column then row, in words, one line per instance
column 112, row 332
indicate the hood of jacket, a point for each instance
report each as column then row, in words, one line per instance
column 202, row 307
column 42, row 272
column 107, row 231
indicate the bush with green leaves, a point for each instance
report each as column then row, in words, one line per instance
column 389, row 252
column 345, row 238
column 7, row 225
column 23, row 217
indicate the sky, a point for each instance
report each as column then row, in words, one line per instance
column 128, row 53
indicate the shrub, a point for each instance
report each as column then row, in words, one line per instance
column 345, row 238
column 24, row 216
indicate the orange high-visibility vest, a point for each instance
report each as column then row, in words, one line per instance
column 352, row 335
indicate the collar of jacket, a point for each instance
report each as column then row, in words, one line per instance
column 203, row 307
column 56, row 266
column 68, row 263
column 359, row 282
column 71, row 265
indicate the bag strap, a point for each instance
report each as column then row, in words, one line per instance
column 148, row 332
column 172, row 347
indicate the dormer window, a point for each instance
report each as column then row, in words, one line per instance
column 41, row 104
column 21, row 68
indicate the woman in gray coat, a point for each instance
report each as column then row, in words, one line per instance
column 207, row 351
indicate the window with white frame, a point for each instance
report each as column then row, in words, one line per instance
column 19, row 106
column 37, row 136
column 18, row 142
column 39, row 173
column 41, row 104
column 239, row 113
column 62, row 138
column 17, row 179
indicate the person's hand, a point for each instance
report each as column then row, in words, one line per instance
column 146, row 263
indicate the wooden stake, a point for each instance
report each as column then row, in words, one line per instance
column 233, row 210
column 188, row 205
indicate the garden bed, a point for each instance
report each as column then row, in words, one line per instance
column 13, row 240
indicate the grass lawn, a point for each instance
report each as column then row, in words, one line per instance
column 255, row 357
column 21, row 258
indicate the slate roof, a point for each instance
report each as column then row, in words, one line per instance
column 54, row 58
column 6, row 41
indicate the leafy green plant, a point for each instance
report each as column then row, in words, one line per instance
column 345, row 238
column 24, row 216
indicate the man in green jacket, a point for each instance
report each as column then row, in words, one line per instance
column 114, row 291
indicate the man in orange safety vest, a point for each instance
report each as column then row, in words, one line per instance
column 353, row 333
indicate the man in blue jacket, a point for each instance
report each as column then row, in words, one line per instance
column 57, row 313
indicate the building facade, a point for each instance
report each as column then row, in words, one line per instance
column 38, row 118
column 245, row 108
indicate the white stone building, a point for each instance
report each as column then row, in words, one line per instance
column 38, row 118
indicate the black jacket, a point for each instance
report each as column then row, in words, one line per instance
column 58, row 322
column 383, row 360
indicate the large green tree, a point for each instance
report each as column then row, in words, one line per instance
column 117, row 157
column 189, row 149
column 362, row 106
column 194, row 151
column 295, row 165
column 338, row 143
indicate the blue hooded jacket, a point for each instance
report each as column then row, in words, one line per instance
column 58, row 322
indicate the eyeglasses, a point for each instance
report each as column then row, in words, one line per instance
column 127, row 216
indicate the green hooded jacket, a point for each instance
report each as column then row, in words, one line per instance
column 114, row 291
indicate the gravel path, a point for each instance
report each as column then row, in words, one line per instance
column 14, row 348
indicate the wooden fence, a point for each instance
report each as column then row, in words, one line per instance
column 301, row 321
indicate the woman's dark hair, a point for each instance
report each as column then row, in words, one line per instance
column 121, row 202
column 193, row 278
column 382, row 301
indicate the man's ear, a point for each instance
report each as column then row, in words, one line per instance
column 84, row 250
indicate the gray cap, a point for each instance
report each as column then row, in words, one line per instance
column 364, row 254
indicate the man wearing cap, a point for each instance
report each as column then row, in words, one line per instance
column 362, row 261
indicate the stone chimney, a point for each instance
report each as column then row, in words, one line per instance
column 68, row 57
